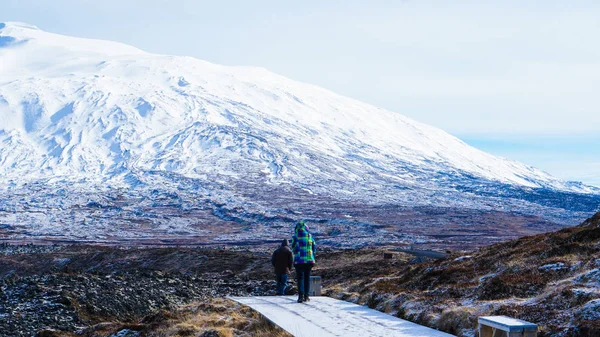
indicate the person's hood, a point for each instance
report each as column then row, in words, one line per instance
column 302, row 224
column 302, row 228
column 285, row 243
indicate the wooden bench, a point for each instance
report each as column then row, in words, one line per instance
column 502, row 326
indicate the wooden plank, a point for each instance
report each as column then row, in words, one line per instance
column 328, row 317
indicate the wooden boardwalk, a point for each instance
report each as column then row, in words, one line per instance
column 328, row 317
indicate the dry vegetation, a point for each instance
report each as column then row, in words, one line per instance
column 218, row 317
column 551, row 279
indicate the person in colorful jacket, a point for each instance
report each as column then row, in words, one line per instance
column 304, row 247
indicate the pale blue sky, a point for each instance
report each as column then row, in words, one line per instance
column 516, row 78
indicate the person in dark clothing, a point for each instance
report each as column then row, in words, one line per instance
column 304, row 248
column 282, row 260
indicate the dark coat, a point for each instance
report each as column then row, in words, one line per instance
column 283, row 260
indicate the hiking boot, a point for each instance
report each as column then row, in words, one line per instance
column 300, row 299
column 306, row 298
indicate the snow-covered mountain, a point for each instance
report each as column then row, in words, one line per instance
column 72, row 106
column 75, row 109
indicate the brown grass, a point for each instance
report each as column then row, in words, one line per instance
column 219, row 317
column 457, row 319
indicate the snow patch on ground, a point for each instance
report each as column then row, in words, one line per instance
column 553, row 267
column 590, row 311
column 462, row 258
column 592, row 276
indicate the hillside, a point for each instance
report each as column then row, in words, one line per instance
column 551, row 279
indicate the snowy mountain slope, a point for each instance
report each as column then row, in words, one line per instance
column 73, row 106
column 103, row 142
column 98, row 110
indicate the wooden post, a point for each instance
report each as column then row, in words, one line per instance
column 485, row 331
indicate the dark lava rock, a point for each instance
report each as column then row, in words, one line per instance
column 92, row 286
column 211, row 333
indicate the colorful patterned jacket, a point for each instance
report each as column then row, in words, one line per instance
column 303, row 245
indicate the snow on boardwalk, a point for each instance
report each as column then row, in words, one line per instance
column 325, row 317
